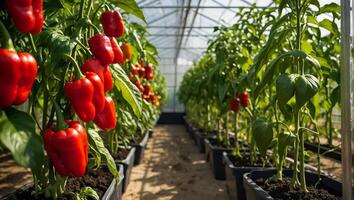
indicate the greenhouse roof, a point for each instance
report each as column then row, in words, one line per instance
column 181, row 29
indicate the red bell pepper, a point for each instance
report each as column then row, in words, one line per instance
column 139, row 85
column 101, row 48
column 113, row 24
column 147, row 89
column 68, row 149
column 244, row 99
column 118, row 53
column 127, row 51
column 142, row 72
column 107, row 119
column 135, row 70
column 27, row 15
column 18, row 72
column 235, row 104
column 94, row 65
column 86, row 96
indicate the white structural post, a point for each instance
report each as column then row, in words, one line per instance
column 347, row 98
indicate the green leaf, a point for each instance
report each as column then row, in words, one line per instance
column 285, row 88
column 151, row 48
column 129, row 91
column 285, row 139
column 222, row 89
column 335, row 96
column 306, row 86
column 96, row 141
column 262, row 131
column 130, row 6
column 273, row 67
column 17, row 133
column 330, row 8
column 88, row 192
column 151, row 58
column 329, row 25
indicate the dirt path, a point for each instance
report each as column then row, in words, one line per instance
column 12, row 177
column 173, row 169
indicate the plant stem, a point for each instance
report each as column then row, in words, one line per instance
column 295, row 179
column 61, row 125
column 78, row 73
column 237, row 150
column 82, row 6
column 302, row 162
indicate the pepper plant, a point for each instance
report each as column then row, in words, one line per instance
column 56, row 98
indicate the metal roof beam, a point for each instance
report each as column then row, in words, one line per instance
column 202, row 7
column 181, row 35
column 162, row 17
column 178, row 27
column 193, row 20
column 182, row 47
column 179, row 43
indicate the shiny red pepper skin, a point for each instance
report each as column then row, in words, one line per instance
column 18, row 72
column 118, row 53
column 113, row 24
column 68, row 149
column 235, row 104
column 98, row 95
column 244, row 99
column 149, row 70
column 101, row 48
column 27, row 15
column 29, row 72
column 94, row 65
column 147, row 89
column 84, row 95
column 107, row 119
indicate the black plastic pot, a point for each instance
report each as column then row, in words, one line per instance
column 234, row 177
column 113, row 192
column 325, row 151
column 214, row 155
column 140, row 148
column 255, row 192
column 151, row 132
column 199, row 138
column 128, row 164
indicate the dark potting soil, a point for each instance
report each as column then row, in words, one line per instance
column 123, row 153
column 218, row 144
column 280, row 190
column 245, row 161
column 99, row 180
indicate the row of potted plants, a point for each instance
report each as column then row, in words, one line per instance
column 77, row 103
column 264, row 86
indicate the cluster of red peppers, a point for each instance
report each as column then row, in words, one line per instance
column 145, row 71
column 92, row 104
column 241, row 100
column 27, row 15
column 86, row 94
column 18, row 70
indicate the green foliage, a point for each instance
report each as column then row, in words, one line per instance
column 18, row 134
column 262, row 131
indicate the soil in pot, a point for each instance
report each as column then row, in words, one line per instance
column 123, row 153
column 99, row 180
column 235, row 168
column 280, row 190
